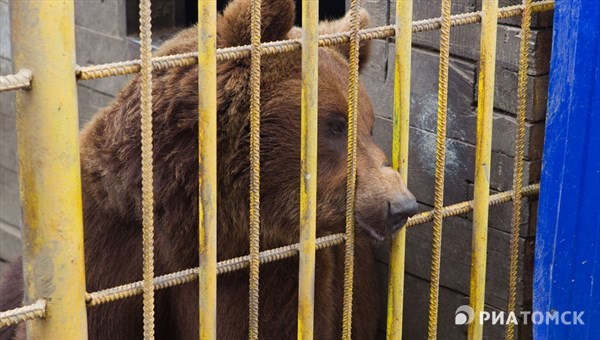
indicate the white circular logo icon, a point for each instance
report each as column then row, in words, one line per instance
column 463, row 315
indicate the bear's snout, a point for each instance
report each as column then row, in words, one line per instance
column 400, row 209
column 383, row 202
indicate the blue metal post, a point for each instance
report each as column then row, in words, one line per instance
column 567, row 255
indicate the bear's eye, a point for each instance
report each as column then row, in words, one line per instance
column 337, row 127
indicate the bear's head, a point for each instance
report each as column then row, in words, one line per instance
column 383, row 202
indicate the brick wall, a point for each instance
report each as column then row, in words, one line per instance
column 101, row 35
column 10, row 244
column 460, row 157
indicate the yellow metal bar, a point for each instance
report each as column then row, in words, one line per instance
column 207, row 146
column 518, row 169
column 351, row 170
column 49, row 168
column 483, row 154
column 402, row 66
column 255, row 24
column 308, row 178
column 440, row 160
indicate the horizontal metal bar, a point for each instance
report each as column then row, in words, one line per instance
column 21, row 80
column 465, row 207
column 271, row 255
column 275, row 47
column 36, row 310
column 29, row 312
column 189, row 275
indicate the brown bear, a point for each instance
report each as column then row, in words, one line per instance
column 111, row 182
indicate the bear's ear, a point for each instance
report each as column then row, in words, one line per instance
column 343, row 25
column 234, row 24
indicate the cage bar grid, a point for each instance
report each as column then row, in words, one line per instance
column 306, row 248
column 274, row 47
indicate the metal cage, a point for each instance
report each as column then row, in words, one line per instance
column 48, row 116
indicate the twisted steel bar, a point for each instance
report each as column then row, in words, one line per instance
column 351, row 170
column 255, row 26
column 440, row 156
column 189, row 275
column 518, row 169
column 275, row 47
column 147, row 167
column 21, row 80
column 466, row 206
column 238, row 263
column 14, row 316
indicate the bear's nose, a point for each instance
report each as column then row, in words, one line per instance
column 400, row 209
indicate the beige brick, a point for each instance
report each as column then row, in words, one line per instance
column 95, row 48
column 10, row 242
column 505, row 94
column 10, row 207
column 90, row 102
column 5, row 46
column 104, row 16
column 7, row 99
column 8, row 142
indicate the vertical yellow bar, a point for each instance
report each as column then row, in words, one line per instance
column 351, row 170
column 207, row 139
column 255, row 24
column 402, row 66
column 440, row 161
column 483, row 151
column 308, row 178
column 49, row 169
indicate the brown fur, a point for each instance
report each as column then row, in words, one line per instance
column 110, row 156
